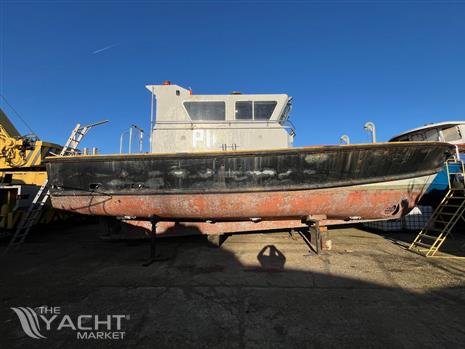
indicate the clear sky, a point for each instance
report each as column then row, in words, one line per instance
column 400, row 64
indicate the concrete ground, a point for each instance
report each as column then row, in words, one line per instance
column 257, row 291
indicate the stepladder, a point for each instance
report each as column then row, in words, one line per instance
column 446, row 216
column 33, row 213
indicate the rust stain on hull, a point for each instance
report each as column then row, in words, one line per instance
column 337, row 203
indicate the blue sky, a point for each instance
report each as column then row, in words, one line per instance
column 398, row 64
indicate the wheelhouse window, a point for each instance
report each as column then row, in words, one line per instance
column 206, row 111
column 452, row 134
column 244, row 111
column 257, row 110
column 263, row 110
column 416, row 138
column 285, row 115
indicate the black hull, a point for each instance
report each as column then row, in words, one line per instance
column 250, row 171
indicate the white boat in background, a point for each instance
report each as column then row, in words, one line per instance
column 452, row 132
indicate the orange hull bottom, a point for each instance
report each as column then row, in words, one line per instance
column 334, row 204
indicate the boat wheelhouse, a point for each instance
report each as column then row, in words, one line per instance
column 196, row 123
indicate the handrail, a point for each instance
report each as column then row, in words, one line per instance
column 287, row 125
column 220, row 122
column 449, row 172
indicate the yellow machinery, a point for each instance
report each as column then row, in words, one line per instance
column 22, row 172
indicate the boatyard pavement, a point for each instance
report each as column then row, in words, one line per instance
column 256, row 291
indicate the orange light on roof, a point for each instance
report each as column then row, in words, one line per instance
column 166, row 82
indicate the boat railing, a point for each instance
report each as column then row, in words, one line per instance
column 232, row 124
column 289, row 127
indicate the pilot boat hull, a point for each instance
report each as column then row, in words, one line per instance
column 361, row 182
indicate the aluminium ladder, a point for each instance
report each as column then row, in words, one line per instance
column 446, row 215
column 33, row 213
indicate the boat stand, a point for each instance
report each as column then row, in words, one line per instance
column 153, row 244
column 314, row 225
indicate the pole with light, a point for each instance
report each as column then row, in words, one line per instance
column 121, row 138
column 141, row 137
column 344, row 139
column 370, row 127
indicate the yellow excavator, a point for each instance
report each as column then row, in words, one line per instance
column 22, row 172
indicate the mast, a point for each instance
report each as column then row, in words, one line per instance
column 151, row 120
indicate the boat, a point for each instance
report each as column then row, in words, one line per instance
column 452, row 132
column 229, row 158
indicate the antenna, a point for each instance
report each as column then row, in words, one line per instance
column 151, row 120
